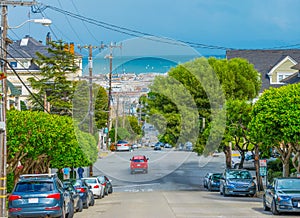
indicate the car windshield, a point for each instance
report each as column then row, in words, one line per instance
column 138, row 160
column 90, row 180
column 34, row 186
column 288, row 184
column 122, row 142
column 216, row 176
column 238, row 175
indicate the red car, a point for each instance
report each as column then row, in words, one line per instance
column 139, row 163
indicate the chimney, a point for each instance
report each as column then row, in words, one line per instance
column 48, row 38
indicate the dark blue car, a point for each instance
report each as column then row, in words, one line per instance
column 85, row 193
column 213, row 183
column 237, row 182
column 282, row 195
column 40, row 195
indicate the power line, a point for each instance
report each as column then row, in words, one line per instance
column 136, row 33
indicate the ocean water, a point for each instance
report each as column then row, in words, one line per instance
column 137, row 65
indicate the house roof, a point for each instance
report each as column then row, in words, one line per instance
column 265, row 60
column 26, row 48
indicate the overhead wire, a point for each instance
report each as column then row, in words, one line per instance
column 71, row 26
column 135, row 33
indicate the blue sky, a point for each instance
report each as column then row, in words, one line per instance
column 226, row 23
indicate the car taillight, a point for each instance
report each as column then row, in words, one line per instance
column 14, row 209
column 53, row 208
column 14, row 197
column 96, row 186
column 81, row 189
column 104, row 183
column 55, row 196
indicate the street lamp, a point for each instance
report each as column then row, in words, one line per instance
column 43, row 21
column 3, row 103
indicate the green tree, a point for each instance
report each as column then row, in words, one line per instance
column 38, row 141
column 81, row 106
column 57, row 68
column 275, row 121
column 194, row 86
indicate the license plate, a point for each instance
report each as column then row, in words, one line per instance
column 33, row 200
column 138, row 165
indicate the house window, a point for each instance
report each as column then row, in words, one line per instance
column 281, row 76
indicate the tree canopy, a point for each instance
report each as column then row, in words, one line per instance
column 54, row 82
column 275, row 121
column 38, row 141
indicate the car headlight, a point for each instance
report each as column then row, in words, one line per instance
column 252, row 184
column 283, row 198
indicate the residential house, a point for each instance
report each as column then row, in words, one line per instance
column 274, row 65
column 21, row 56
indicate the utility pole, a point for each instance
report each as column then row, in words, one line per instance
column 117, row 119
column 91, row 109
column 3, row 106
column 110, row 56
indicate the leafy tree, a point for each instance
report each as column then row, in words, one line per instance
column 197, row 87
column 81, row 106
column 238, row 77
column 55, row 84
column 275, row 121
column 38, row 141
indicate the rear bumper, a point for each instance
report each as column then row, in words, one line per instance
column 37, row 213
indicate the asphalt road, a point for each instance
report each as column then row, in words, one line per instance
column 173, row 187
column 179, row 204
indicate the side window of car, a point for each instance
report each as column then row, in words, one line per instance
column 59, row 185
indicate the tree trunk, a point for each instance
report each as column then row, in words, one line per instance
column 286, row 168
column 259, row 182
column 227, row 151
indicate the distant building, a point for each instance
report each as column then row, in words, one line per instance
column 275, row 66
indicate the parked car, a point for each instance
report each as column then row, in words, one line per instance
column 108, row 188
column 95, row 186
column 282, row 195
column 214, row 182
column 123, row 145
column 167, row 145
column 249, row 162
column 237, row 182
column 40, row 195
column 75, row 197
column 85, row 192
column 189, row 146
column 206, row 178
column 139, row 163
column 157, row 148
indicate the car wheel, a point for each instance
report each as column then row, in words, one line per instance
column 224, row 192
column 71, row 210
column 79, row 206
column 87, row 203
column 273, row 208
column 92, row 202
column 106, row 191
column 209, row 187
column 221, row 191
column 110, row 190
column 236, row 166
column 266, row 208
column 63, row 212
